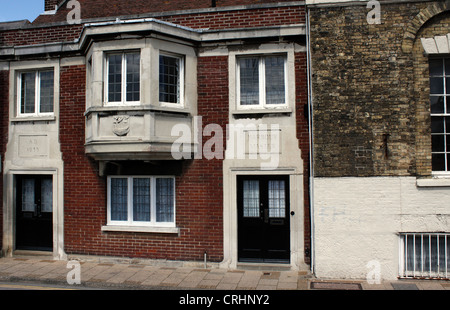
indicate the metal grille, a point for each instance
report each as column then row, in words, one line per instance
column 425, row 255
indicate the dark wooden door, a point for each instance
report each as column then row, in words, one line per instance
column 263, row 219
column 34, row 206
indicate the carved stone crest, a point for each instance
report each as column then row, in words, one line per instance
column 121, row 125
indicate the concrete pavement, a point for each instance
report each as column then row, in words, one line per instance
column 142, row 276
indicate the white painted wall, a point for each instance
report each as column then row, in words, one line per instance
column 357, row 220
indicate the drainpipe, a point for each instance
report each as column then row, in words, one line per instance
column 311, row 144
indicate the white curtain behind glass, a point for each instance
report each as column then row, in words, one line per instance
column 46, row 195
column 164, row 200
column 141, row 199
column 28, row 195
column 251, row 198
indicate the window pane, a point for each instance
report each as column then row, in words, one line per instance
column 115, row 78
column 275, row 89
column 27, row 103
column 133, row 76
column 251, row 198
column 249, row 81
column 277, row 199
column 46, row 195
column 164, row 200
column 447, row 66
column 169, row 79
column 438, row 162
column 437, row 142
column 141, row 199
column 447, row 86
column 119, row 198
column 437, row 104
column 436, row 67
column 28, row 195
column 437, row 124
column 46, row 90
column 436, row 85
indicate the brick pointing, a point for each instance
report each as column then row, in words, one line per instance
column 241, row 19
column 98, row 9
column 42, row 33
column 49, row 5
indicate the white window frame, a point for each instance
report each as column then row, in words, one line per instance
column 37, row 93
column 129, row 222
column 446, row 113
column 262, row 83
column 123, row 101
column 180, row 102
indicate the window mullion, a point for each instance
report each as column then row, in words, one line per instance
column 262, row 82
column 153, row 200
column 130, row 201
column 37, row 94
column 124, row 78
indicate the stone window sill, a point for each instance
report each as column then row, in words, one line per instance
column 142, row 229
column 434, row 182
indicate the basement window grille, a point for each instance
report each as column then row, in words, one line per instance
column 425, row 255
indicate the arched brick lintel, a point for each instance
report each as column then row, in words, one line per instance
column 419, row 20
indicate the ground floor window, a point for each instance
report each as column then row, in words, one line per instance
column 425, row 255
column 141, row 200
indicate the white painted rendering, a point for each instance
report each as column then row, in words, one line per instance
column 358, row 220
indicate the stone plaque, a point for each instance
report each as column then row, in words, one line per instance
column 263, row 141
column 33, row 146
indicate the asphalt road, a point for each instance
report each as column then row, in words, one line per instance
column 17, row 286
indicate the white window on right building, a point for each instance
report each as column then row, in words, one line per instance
column 261, row 81
column 440, row 113
column 425, row 255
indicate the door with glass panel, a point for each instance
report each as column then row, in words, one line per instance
column 34, row 209
column 263, row 219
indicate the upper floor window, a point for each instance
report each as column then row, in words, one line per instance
column 440, row 113
column 171, row 79
column 36, row 93
column 123, row 74
column 261, row 81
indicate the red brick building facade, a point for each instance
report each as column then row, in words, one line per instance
column 97, row 175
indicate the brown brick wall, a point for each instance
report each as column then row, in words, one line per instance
column 370, row 93
column 301, row 89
